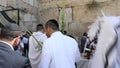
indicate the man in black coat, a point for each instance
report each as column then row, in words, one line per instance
column 83, row 42
column 10, row 38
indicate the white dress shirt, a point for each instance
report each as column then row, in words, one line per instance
column 59, row 51
column 34, row 50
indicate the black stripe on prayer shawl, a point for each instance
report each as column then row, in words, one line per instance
column 110, row 49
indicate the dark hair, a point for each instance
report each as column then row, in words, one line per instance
column 10, row 31
column 85, row 34
column 39, row 27
column 1, row 25
column 64, row 32
column 53, row 24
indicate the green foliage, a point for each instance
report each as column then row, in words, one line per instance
column 63, row 18
column 39, row 44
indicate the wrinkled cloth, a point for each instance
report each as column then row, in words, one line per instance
column 59, row 51
column 34, row 50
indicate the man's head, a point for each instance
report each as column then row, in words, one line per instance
column 51, row 26
column 11, row 33
column 39, row 27
column 85, row 34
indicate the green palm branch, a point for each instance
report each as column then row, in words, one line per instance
column 39, row 44
column 63, row 17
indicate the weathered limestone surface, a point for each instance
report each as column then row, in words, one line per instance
column 82, row 14
column 29, row 12
column 79, row 14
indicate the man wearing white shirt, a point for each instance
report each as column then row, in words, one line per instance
column 59, row 51
column 34, row 50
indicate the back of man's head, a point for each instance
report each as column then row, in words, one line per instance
column 39, row 27
column 10, row 31
column 52, row 24
column 85, row 34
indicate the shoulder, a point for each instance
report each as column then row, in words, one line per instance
column 70, row 38
column 21, row 60
column 12, row 58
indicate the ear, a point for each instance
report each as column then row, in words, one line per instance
column 17, row 40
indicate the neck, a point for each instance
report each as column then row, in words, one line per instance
column 53, row 31
column 8, row 41
column 40, row 31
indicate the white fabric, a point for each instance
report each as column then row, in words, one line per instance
column 93, row 44
column 34, row 50
column 59, row 51
column 86, row 44
column 25, row 40
column 117, row 59
column 106, row 38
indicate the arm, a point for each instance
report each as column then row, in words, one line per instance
column 45, row 57
column 27, row 64
column 31, row 47
column 77, row 56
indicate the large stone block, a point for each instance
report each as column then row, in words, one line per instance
column 102, row 0
column 45, row 15
column 3, row 3
column 82, row 14
column 11, row 3
column 67, row 17
column 77, row 29
column 61, row 3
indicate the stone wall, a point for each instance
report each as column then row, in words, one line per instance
column 29, row 12
column 81, row 13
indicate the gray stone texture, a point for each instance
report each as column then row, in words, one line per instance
column 79, row 14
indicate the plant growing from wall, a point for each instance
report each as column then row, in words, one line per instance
column 63, row 17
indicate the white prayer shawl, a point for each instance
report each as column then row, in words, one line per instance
column 59, row 51
column 34, row 50
column 106, row 39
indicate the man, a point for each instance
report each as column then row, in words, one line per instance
column 10, row 37
column 59, row 51
column 34, row 50
column 83, row 42
column 25, row 41
column 107, row 53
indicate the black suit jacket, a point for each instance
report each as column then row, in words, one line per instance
column 11, row 59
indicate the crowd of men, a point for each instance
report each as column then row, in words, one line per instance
column 58, row 50
column 48, row 48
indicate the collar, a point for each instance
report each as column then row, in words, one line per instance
column 7, row 44
column 56, row 33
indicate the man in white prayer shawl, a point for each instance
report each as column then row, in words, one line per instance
column 107, row 29
column 34, row 50
column 59, row 51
